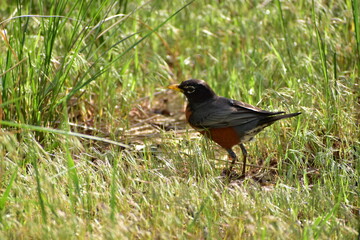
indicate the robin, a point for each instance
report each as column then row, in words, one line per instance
column 225, row 121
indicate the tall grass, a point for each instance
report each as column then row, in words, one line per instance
column 355, row 11
column 93, row 146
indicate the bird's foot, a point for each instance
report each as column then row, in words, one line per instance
column 232, row 175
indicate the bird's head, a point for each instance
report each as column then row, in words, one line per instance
column 196, row 91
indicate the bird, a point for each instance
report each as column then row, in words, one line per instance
column 227, row 122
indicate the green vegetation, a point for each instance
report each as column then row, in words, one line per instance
column 88, row 149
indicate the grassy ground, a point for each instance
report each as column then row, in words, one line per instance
column 93, row 146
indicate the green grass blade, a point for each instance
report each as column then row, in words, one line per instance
column 98, row 74
column 6, row 194
column 198, row 213
column 113, row 189
column 73, row 175
column 39, row 192
column 11, row 101
column 285, row 34
column 322, row 52
column 355, row 11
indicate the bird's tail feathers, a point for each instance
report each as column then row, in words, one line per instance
column 270, row 120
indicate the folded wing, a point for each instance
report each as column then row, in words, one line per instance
column 224, row 112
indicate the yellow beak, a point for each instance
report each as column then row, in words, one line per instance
column 175, row 87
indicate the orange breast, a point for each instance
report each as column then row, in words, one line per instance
column 225, row 137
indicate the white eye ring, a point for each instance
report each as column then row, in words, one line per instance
column 189, row 89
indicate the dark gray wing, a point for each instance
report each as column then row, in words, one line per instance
column 224, row 112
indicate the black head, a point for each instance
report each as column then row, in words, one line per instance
column 196, row 91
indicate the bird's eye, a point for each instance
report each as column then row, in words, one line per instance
column 189, row 89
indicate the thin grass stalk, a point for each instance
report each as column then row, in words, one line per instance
column 6, row 193
column 323, row 59
column 39, row 191
column 113, row 190
column 285, row 34
column 73, row 175
column 355, row 11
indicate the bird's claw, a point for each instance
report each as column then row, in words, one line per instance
column 232, row 175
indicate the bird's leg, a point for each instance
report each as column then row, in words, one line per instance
column 233, row 158
column 244, row 156
column 228, row 172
